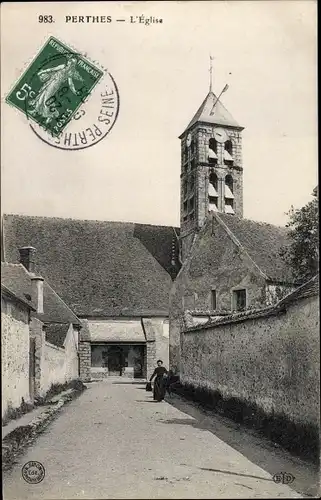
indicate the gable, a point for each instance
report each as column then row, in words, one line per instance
column 263, row 243
column 15, row 278
column 217, row 263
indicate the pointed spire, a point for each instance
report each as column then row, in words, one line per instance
column 212, row 111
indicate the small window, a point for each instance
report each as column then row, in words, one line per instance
column 192, row 182
column 239, row 300
column 213, row 300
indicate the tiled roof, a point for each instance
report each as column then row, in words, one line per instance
column 17, row 280
column 55, row 309
column 236, row 317
column 117, row 331
column 98, row 268
column 308, row 289
column 263, row 243
column 56, row 333
column 220, row 114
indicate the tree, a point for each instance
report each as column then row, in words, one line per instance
column 302, row 253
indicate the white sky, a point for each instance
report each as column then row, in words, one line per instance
column 162, row 75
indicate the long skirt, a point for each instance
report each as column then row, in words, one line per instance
column 159, row 389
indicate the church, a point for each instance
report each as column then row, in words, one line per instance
column 229, row 264
column 131, row 283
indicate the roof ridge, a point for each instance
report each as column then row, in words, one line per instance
column 87, row 220
column 263, row 223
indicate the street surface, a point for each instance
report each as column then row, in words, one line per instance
column 115, row 442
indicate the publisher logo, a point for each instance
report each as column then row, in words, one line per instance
column 33, row 472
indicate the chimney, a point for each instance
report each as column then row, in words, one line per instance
column 37, row 293
column 27, row 258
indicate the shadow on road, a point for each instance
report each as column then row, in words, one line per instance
column 136, row 382
column 236, row 474
column 256, row 448
column 146, row 401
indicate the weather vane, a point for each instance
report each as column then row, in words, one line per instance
column 211, row 73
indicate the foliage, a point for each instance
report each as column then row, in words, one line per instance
column 302, row 254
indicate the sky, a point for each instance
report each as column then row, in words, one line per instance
column 265, row 51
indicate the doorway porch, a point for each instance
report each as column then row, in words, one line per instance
column 115, row 359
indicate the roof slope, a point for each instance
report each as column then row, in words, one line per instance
column 55, row 309
column 263, row 243
column 218, row 116
column 308, row 289
column 56, row 334
column 98, row 268
column 161, row 242
column 17, row 280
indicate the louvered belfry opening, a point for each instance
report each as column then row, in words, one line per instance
column 213, row 192
column 228, row 195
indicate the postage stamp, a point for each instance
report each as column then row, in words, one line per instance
column 54, row 87
column 91, row 123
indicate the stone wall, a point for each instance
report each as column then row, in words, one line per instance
column 271, row 363
column 53, row 365
column 157, row 334
column 85, row 361
column 14, row 357
column 216, row 263
column 59, row 365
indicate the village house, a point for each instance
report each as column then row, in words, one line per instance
column 39, row 335
column 116, row 277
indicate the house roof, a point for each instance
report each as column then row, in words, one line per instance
column 263, row 243
column 217, row 115
column 308, row 289
column 16, row 279
column 55, row 309
column 99, row 268
column 56, row 333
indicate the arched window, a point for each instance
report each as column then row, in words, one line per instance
column 229, row 182
column 212, row 151
column 213, row 192
column 228, row 152
column 213, row 180
column 228, row 195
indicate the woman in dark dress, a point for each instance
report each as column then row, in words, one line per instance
column 160, row 383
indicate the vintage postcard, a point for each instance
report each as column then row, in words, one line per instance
column 159, row 250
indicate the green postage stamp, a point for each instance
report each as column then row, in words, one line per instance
column 54, row 86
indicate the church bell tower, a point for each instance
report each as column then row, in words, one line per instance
column 211, row 168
